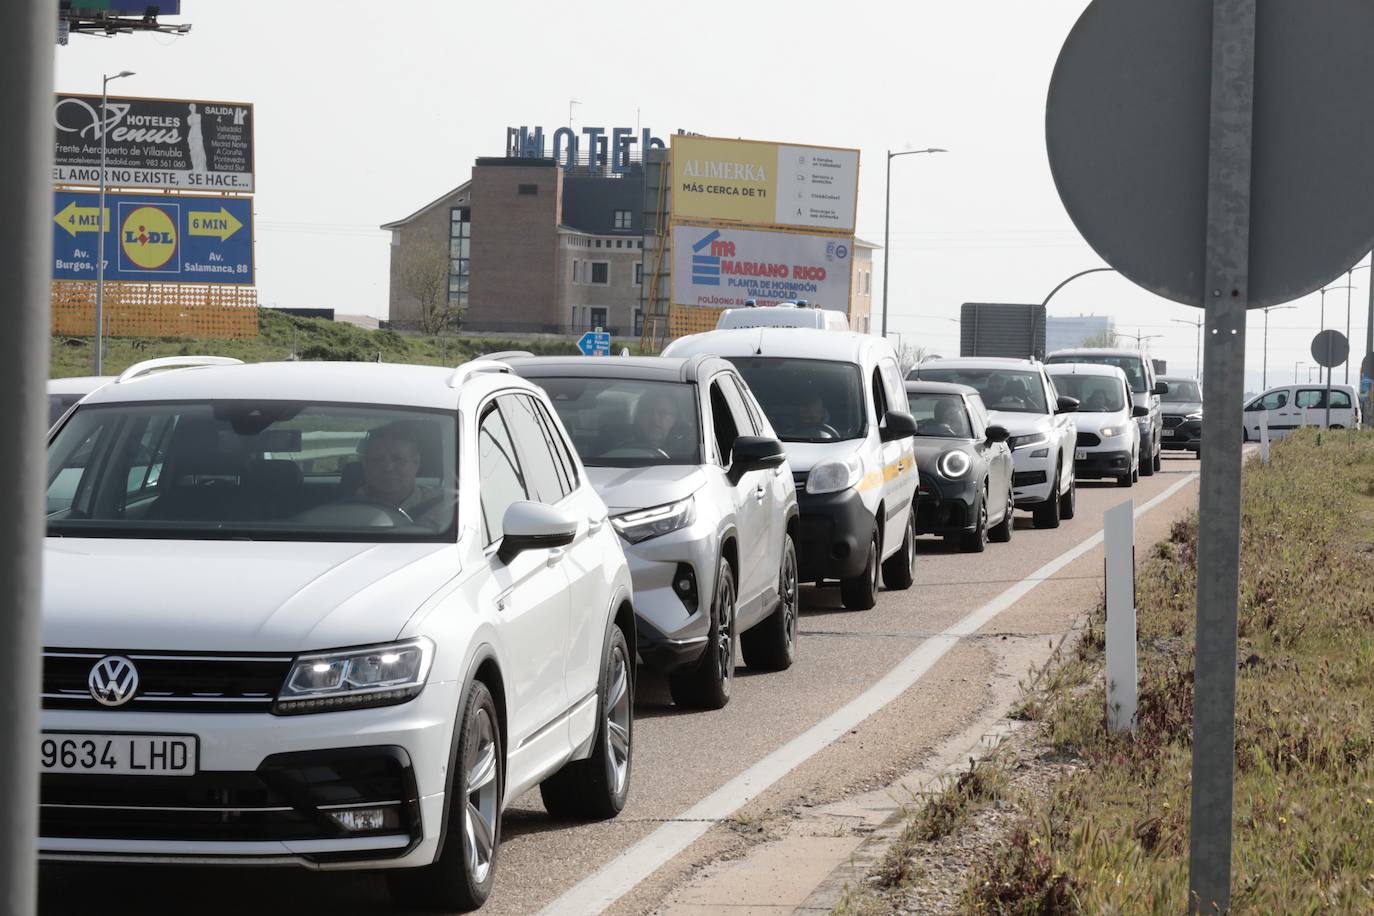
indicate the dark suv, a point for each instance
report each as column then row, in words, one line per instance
column 1181, row 411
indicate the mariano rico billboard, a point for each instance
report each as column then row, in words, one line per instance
column 721, row 267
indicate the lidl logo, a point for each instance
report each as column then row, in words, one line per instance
column 148, row 236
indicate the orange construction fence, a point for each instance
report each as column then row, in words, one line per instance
column 156, row 310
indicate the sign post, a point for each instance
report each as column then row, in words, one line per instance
column 595, row 343
column 1119, row 534
column 1330, row 348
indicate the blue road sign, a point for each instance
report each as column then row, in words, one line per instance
column 595, row 343
column 154, row 238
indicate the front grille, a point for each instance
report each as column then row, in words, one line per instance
column 799, row 479
column 170, row 682
column 1087, row 439
column 1028, row 478
column 1172, row 422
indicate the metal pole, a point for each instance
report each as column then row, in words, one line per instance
column 1227, row 272
column 1264, row 377
column 1349, row 285
column 1328, row 387
column 100, row 236
column 1369, row 326
column 26, row 67
column 887, row 239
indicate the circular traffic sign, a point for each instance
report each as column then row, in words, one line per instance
column 1126, row 127
column 1330, row 348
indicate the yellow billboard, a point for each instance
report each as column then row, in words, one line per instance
column 764, row 184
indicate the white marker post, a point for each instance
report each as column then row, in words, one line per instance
column 1264, row 437
column 1119, row 534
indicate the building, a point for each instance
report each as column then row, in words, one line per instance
column 861, row 287
column 1063, row 332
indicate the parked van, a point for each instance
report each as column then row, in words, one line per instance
column 1145, row 391
column 798, row 314
column 837, row 402
column 1288, row 407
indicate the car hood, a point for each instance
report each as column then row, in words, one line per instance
column 627, row 489
column 234, row 596
column 1183, row 408
column 1087, row 422
column 803, row 456
column 1020, row 424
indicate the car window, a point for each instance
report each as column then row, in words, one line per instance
column 978, row 414
column 1013, row 390
column 1274, row 400
column 1310, row 397
column 739, row 410
column 67, row 473
column 879, row 398
column 501, row 477
column 1339, row 398
column 722, row 424
column 628, row 422
column 58, row 405
column 941, row 416
column 559, row 443
column 543, row 477
column 1133, row 366
column 892, row 381
column 1095, row 393
column 756, row 418
column 807, row 400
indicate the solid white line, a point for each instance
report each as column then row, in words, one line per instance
column 619, row 876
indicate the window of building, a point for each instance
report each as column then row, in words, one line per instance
column 868, row 282
column 529, row 189
column 618, row 243
column 598, row 243
column 597, row 317
column 639, row 275
column 460, row 254
column 639, row 322
column 601, row 273
column 622, row 219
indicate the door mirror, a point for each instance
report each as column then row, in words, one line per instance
column 1138, row 412
column 534, row 526
column 898, row 424
column 1066, row 404
column 755, row 453
column 1161, row 388
column 997, row 434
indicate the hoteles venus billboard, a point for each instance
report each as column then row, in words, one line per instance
column 756, row 183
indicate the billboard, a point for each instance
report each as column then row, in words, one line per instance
column 154, row 239
column 720, row 267
column 172, row 144
column 765, row 184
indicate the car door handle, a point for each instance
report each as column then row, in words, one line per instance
column 759, row 491
column 594, row 525
column 555, row 556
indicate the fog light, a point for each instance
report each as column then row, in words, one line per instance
column 1041, row 453
column 358, row 820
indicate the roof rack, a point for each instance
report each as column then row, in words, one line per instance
column 148, row 366
column 504, row 354
column 481, row 364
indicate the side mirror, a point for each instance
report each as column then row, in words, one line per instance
column 1161, row 388
column 534, row 526
column 1066, row 404
column 898, row 424
column 997, row 433
column 1139, row 412
column 755, row 453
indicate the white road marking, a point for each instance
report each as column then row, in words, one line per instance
column 619, row 876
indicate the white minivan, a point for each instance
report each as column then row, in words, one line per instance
column 1287, row 407
column 837, row 401
column 798, row 314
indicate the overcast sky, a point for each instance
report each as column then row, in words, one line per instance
column 366, row 111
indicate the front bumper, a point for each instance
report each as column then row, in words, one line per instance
column 1186, row 435
column 1032, row 478
column 946, row 506
column 673, row 621
column 836, row 529
column 267, row 789
column 1099, row 464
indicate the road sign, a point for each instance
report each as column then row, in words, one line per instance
column 1126, row 128
column 595, row 343
column 1330, row 348
column 154, row 238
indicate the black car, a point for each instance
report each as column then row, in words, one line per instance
column 1181, row 409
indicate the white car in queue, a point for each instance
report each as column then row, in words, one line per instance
column 262, row 651
column 1108, row 443
column 837, row 401
column 1020, row 396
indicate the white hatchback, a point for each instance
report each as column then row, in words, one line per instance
column 331, row 615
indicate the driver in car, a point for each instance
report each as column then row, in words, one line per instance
column 655, row 425
column 391, row 460
column 812, row 417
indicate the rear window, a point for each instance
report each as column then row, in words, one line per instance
column 1133, row 366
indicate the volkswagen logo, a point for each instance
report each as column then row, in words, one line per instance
column 113, row 681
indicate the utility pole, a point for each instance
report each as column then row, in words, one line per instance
column 887, row 222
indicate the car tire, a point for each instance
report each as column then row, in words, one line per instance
column 899, row 570
column 1125, row 480
column 708, row 684
column 1068, row 503
column 1047, row 513
column 1147, row 466
column 859, row 593
column 596, row 788
column 1001, row 532
column 772, row 643
column 1158, row 462
column 976, row 541
column 461, row 877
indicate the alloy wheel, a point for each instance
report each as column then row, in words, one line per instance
column 618, row 720
column 479, row 820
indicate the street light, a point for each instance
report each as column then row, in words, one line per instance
column 102, row 222
column 1266, row 344
column 887, row 221
column 1197, row 358
column 1349, row 277
column 1138, row 338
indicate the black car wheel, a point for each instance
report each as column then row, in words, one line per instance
column 708, row 684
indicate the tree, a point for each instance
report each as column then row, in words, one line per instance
column 1103, row 339
column 910, row 355
column 422, row 272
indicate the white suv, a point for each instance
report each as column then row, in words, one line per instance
column 331, row 615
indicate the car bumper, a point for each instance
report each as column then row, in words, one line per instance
column 1098, row 464
column 835, row 532
column 946, row 506
column 268, row 790
column 1187, row 435
column 1032, row 478
column 674, row 579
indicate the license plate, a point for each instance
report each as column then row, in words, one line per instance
column 1080, row 454
column 124, row 755
column 1166, row 432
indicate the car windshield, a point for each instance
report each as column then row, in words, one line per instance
column 628, row 423
column 58, row 405
column 940, row 416
column 1182, row 391
column 1095, row 393
column 807, row 400
column 261, row 470
column 1013, row 390
column 1133, row 366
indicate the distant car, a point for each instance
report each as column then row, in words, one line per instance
column 1145, row 392
column 700, row 492
column 1181, row 408
column 64, row 392
column 965, row 464
column 1020, row 396
column 1108, row 442
column 797, row 314
column 1289, row 407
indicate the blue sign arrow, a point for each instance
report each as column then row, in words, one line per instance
column 595, row 343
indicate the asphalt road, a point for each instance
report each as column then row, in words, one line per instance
column 682, row 758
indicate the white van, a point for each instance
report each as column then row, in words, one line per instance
column 838, row 403
column 1287, row 407
column 798, row 314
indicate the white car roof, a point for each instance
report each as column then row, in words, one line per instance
column 339, row 382
column 979, row 362
column 1085, row 369
column 798, row 343
column 78, row 384
column 1097, row 351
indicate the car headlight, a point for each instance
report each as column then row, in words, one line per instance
column 642, row 524
column 835, row 475
column 356, row 678
column 1111, row 432
column 1194, row 416
column 1028, row 440
column 954, row 464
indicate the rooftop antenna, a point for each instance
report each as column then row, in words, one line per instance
column 571, row 103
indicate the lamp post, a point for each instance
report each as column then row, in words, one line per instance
column 887, row 221
column 1349, row 277
column 102, row 223
column 1197, row 358
column 1063, row 283
column 1265, row 376
column 1138, row 338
